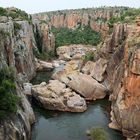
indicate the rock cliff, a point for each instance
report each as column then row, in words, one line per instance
column 95, row 17
column 16, row 51
column 123, row 78
column 116, row 66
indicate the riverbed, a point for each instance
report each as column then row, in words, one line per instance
column 55, row 125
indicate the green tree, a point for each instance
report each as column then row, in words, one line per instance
column 8, row 97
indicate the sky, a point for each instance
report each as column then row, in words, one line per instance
column 36, row 6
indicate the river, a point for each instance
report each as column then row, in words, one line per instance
column 55, row 125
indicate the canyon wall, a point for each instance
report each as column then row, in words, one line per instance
column 96, row 18
column 16, row 51
column 44, row 38
column 123, row 78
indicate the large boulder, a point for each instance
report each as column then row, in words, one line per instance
column 84, row 84
column 74, row 51
column 98, row 70
column 55, row 96
column 43, row 65
column 88, row 67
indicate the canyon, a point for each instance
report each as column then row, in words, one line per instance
column 115, row 70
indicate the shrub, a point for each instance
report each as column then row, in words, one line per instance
column 17, row 27
column 88, row 57
column 127, row 16
column 8, row 98
column 17, row 13
column 46, row 56
column 80, row 35
column 3, row 12
column 98, row 134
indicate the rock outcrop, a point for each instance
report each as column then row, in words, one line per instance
column 55, row 96
column 123, row 79
column 74, row 51
column 16, row 51
column 97, row 18
column 96, row 69
column 44, row 38
column 43, row 65
column 83, row 84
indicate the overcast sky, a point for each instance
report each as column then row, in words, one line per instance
column 35, row 6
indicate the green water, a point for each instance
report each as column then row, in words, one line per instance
column 54, row 125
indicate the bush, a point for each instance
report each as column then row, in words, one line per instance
column 17, row 13
column 46, row 56
column 8, row 98
column 88, row 57
column 98, row 134
column 17, row 27
column 127, row 16
column 80, row 35
column 3, row 12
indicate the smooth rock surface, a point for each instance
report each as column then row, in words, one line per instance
column 43, row 65
column 55, row 96
column 81, row 83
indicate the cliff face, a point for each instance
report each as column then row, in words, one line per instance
column 123, row 78
column 47, row 39
column 16, row 51
column 96, row 18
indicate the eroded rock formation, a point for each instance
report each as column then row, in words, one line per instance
column 55, row 96
column 83, row 84
column 96, row 18
column 16, row 51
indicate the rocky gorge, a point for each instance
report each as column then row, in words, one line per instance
column 114, row 69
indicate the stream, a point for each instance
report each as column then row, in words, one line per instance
column 55, row 125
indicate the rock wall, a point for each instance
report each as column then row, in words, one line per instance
column 16, row 51
column 47, row 39
column 123, row 78
column 95, row 17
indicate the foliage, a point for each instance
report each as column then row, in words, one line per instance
column 17, row 13
column 17, row 27
column 3, row 12
column 98, row 134
column 80, row 35
column 88, row 57
column 46, row 56
column 8, row 99
column 38, row 38
column 127, row 16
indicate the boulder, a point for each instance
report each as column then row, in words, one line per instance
column 99, row 69
column 88, row 67
column 43, row 65
column 56, row 96
column 74, row 51
column 27, row 88
column 84, row 84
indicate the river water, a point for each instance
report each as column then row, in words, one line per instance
column 55, row 125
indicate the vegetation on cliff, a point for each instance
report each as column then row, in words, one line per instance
column 80, row 35
column 15, row 13
column 127, row 16
column 8, row 98
column 88, row 57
